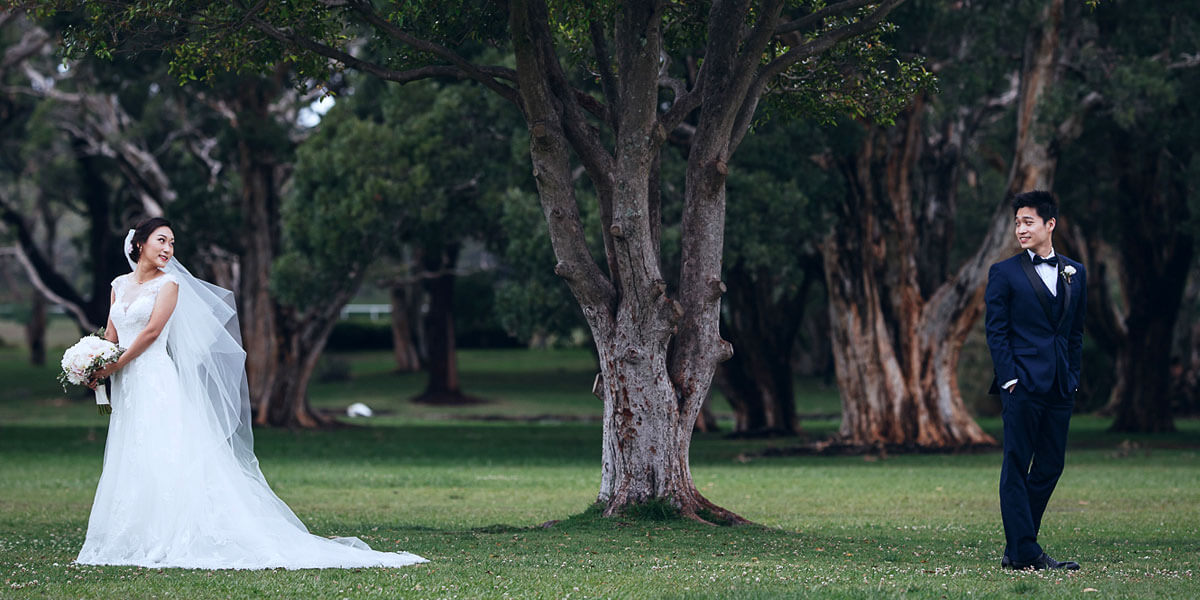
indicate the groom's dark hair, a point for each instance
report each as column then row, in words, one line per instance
column 1041, row 201
column 142, row 232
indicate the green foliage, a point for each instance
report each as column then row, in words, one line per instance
column 476, row 322
column 780, row 195
column 531, row 301
column 1142, row 132
column 351, row 189
column 390, row 166
column 860, row 78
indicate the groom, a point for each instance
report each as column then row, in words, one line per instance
column 1035, row 312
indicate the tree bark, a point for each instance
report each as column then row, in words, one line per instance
column 707, row 421
column 657, row 355
column 89, row 311
column 35, row 330
column 762, row 323
column 299, row 340
column 896, row 354
column 1185, row 375
column 1155, row 253
column 282, row 345
column 442, row 386
column 896, row 347
column 650, row 407
column 404, row 344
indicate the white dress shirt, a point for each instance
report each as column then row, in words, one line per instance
column 1048, row 272
column 1049, row 275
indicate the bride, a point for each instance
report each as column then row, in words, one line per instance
column 181, row 486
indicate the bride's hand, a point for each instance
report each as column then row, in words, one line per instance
column 101, row 374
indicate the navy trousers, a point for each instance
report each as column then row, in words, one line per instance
column 1035, row 440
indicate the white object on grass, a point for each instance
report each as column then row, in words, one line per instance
column 358, row 409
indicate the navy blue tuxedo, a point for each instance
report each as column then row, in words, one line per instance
column 1036, row 338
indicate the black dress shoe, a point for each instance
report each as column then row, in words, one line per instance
column 1005, row 563
column 1045, row 562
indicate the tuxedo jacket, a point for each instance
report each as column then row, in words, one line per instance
column 1032, row 339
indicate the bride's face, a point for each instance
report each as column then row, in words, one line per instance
column 159, row 247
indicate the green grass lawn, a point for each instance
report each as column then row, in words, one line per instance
column 471, row 495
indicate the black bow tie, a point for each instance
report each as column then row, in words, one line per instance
column 1052, row 261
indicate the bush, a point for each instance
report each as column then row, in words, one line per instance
column 475, row 322
column 332, row 369
column 357, row 334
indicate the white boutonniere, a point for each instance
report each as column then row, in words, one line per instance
column 1067, row 272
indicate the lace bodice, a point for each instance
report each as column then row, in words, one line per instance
column 130, row 313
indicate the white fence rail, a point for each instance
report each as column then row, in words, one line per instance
column 375, row 311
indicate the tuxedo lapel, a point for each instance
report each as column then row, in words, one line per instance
column 1062, row 315
column 1039, row 286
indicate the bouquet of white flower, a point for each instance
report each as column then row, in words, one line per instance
column 90, row 354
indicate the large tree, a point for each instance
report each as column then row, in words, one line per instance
column 608, row 109
column 1130, row 183
column 70, row 148
column 457, row 142
column 900, row 311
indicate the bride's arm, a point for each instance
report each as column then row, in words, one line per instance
column 164, row 305
column 110, row 332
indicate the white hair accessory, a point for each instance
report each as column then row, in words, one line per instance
column 129, row 250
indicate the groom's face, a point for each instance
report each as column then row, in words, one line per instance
column 1033, row 233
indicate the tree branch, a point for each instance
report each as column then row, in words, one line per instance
column 608, row 81
column 353, row 62
column 791, row 57
column 827, row 40
column 49, row 282
column 816, row 17
column 103, row 126
column 32, row 41
column 367, row 10
column 549, row 151
column 681, row 108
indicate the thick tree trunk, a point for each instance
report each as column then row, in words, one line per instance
column 653, row 385
column 1146, row 406
column 707, row 421
column 657, row 355
column 1156, row 256
column 761, row 322
column 1148, row 264
column 35, row 330
column 281, row 347
column 104, row 245
column 300, row 339
column 896, row 338
column 896, row 356
column 1185, row 375
column 404, row 344
column 442, row 386
column 89, row 311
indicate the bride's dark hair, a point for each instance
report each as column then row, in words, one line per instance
column 142, row 232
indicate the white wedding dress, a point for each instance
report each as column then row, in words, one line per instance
column 177, row 489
